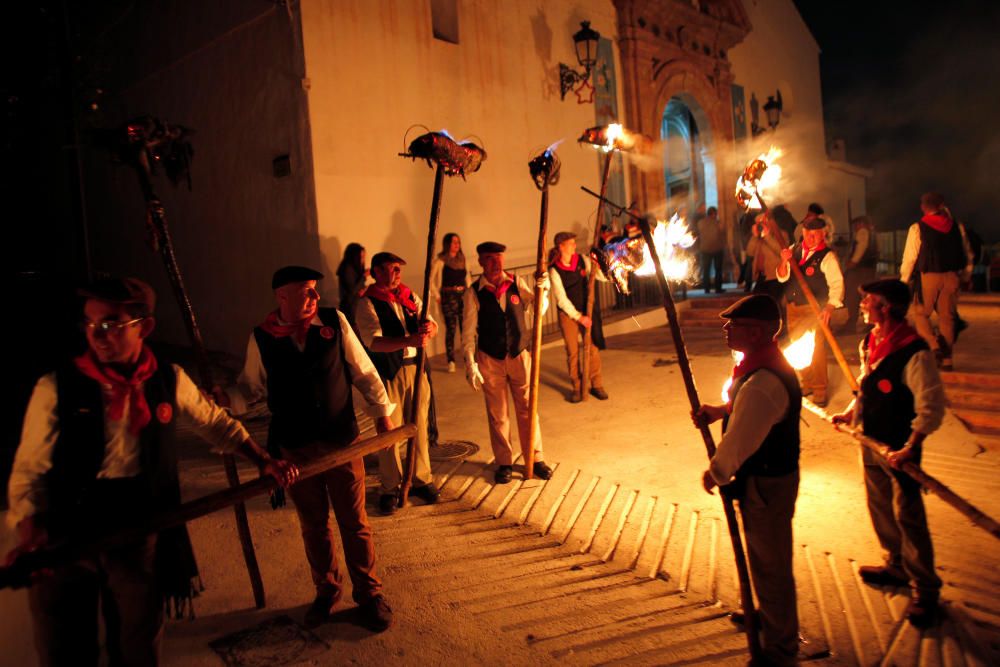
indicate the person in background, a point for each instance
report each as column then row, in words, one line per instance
column 711, row 245
column 765, row 248
column 859, row 269
column 351, row 277
column 813, row 212
column 449, row 280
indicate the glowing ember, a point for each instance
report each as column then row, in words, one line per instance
column 612, row 137
column 800, row 352
column 761, row 174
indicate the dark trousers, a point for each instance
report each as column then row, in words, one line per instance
column 452, row 306
column 342, row 487
column 709, row 259
column 122, row 584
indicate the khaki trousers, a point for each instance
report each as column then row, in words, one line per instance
column 897, row 510
column 498, row 375
column 939, row 292
column 767, row 508
column 343, row 488
column 814, row 376
column 571, row 333
column 391, row 460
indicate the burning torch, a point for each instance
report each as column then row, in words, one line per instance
column 453, row 158
column 684, row 362
column 544, row 170
column 608, row 139
column 759, row 174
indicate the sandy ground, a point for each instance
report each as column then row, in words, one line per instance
column 641, row 437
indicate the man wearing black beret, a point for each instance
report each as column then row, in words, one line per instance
column 901, row 402
column 757, row 463
column 822, row 274
column 304, row 360
column 496, row 338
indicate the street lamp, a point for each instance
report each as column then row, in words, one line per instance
column 773, row 110
column 585, row 41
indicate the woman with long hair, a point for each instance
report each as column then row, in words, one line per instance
column 351, row 276
column 449, row 280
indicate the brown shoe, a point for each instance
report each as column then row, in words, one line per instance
column 576, row 396
column 599, row 393
column 922, row 610
column 883, row 575
column 319, row 611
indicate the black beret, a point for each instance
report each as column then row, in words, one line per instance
column 488, row 247
column 383, row 257
column 126, row 291
column 293, row 274
column 754, row 307
column 816, row 208
column 894, row 291
column 814, row 223
column 561, row 237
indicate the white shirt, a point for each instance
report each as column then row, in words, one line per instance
column 912, row 249
column 760, row 403
column 470, row 314
column 26, row 490
column 252, row 383
column 831, row 271
column 559, row 292
column 369, row 327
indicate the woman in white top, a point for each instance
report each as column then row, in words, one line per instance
column 449, row 280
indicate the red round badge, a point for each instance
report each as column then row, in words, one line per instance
column 884, row 386
column 164, row 413
column 810, row 271
column 583, row 272
column 515, row 299
column 326, row 332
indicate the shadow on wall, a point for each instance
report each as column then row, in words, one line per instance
column 331, row 251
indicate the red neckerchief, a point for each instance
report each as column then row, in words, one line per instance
column 768, row 356
column 572, row 264
column 498, row 292
column 276, row 328
column 402, row 295
column 122, row 387
column 901, row 336
column 941, row 222
column 807, row 254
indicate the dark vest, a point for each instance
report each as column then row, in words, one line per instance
column 575, row 285
column 940, row 253
column 887, row 408
column 502, row 333
column 814, row 276
column 779, row 453
column 388, row 363
column 452, row 277
column 870, row 257
column 308, row 392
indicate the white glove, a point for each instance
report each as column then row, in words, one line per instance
column 473, row 376
column 543, row 282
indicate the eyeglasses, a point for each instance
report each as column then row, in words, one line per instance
column 109, row 326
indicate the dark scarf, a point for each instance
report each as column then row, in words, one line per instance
column 457, row 262
column 402, row 295
column 122, row 388
column 276, row 328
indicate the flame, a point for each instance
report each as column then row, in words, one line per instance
column 737, row 358
column 800, row 352
column 614, row 137
column 669, row 238
column 760, row 175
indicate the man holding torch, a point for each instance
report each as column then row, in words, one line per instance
column 757, row 463
column 568, row 276
column 496, row 337
column 901, row 402
column 821, row 270
column 387, row 318
column 98, row 451
column 304, row 360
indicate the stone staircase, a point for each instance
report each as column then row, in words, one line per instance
column 975, row 399
column 591, row 571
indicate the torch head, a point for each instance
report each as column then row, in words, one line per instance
column 544, row 169
column 454, row 157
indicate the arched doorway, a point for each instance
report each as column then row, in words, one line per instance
column 688, row 156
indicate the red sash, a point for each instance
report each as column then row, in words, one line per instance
column 402, row 295
column 901, row 336
column 276, row 328
column 122, row 387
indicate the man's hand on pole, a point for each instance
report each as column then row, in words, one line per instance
column 383, row 424
column 585, row 321
column 708, row 414
column 824, row 315
column 284, row 472
column 708, row 482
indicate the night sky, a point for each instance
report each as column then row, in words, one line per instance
column 913, row 88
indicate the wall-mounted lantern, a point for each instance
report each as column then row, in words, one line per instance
column 585, row 41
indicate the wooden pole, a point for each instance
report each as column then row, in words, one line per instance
column 536, row 339
column 18, row 574
column 964, row 507
column 411, row 446
column 588, row 333
column 684, row 363
column 158, row 221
